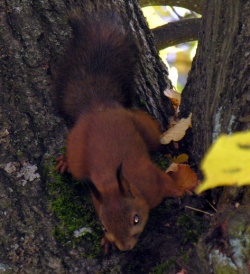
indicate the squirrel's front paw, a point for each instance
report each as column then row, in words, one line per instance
column 62, row 164
column 106, row 244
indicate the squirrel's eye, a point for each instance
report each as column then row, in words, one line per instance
column 104, row 229
column 136, row 219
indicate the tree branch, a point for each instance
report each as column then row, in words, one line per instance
column 194, row 5
column 177, row 32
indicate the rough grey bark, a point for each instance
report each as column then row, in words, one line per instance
column 32, row 34
column 217, row 91
column 218, row 95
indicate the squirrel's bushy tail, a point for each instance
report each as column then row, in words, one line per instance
column 98, row 65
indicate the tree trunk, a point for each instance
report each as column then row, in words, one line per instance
column 218, row 95
column 33, row 34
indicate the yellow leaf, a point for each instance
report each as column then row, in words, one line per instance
column 153, row 19
column 177, row 132
column 181, row 158
column 227, row 163
column 178, row 159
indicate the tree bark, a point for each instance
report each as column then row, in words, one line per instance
column 33, row 34
column 178, row 32
column 218, row 95
column 217, row 91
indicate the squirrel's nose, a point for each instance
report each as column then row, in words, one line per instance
column 125, row 246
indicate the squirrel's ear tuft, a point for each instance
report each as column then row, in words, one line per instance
column 78, row 22
column 123, row 184
column 95, row 192
column 119, row 178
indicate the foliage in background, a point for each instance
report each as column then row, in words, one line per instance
column 178, row 58
column 227, row 163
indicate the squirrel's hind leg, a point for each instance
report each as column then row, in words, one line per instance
column 148, row 128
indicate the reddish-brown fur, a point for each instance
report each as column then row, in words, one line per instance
column 109, row 143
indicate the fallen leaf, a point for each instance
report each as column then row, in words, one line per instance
column 227, row 163
column 177, row 132
column 173, row 167
column 178, row 159
column 174, row 96
column 183, row 175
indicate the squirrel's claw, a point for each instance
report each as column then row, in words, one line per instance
column 106, row 244
column 62, row 164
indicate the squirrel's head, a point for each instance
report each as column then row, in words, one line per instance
column 123, row 221
column 122, row 212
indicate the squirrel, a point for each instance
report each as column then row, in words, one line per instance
column 109, row 144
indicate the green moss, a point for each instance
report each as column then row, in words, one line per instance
column 161, row 161
column 163, row 267
column 19, row 153
column 191, row 227
column 142, row 103
column 71, row 202
column 185, row 257
column 222, row 264
column 116, row 269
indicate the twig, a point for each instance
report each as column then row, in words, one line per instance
column 176, row 13
column 195, row 209
column 211, row 206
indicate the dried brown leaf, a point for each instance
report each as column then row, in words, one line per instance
column 177, row 132
column 183, row 176
column 174, row 96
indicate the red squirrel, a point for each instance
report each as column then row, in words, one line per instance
column 108, row 146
